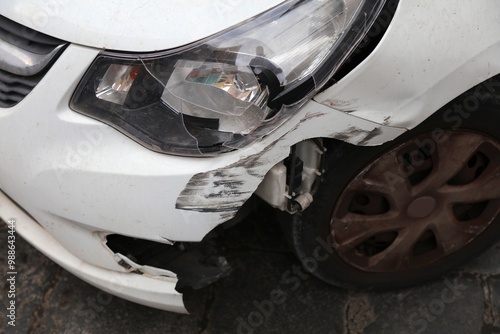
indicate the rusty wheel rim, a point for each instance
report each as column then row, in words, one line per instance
column 418, row 203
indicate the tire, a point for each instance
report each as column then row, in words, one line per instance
column 409, row 210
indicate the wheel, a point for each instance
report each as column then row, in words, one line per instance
column 407, row 211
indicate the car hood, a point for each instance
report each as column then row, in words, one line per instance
column 132, row 25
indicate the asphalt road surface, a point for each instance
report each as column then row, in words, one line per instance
column 51, row 300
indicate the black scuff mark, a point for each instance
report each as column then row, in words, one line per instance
column 226, row 193
column 228, row 184
column 168, row 241
column 312, row 115
column 226, row 215
column 374, row 133
column 351, row 132
column 226, row 211
column 221, row 190
column 307, row 118
column 341, row 105
column 254, row 173
column 354, row 131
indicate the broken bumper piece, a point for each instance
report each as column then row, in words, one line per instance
column 158, row 292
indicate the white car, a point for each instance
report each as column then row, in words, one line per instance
column 129, row 130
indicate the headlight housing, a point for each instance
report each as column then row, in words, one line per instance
column 226, row 91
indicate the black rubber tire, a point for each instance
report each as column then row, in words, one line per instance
column 344, row 162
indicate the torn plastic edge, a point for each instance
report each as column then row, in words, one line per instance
column 131, row 266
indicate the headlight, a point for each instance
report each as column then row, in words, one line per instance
column 228, row 90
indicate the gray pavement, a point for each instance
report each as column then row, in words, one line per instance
column 50, row 300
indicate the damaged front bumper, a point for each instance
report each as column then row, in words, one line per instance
column 153, row 291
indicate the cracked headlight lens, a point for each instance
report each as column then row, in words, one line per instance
column 231, row 89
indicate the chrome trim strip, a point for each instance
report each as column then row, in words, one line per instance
column 24, row 63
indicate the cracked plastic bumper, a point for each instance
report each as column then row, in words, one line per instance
column 149, row 291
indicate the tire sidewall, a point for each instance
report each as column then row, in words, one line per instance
column 310, row 230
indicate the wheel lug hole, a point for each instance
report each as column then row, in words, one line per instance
column 473, row 161
column 362, row 200
column 478, row 172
